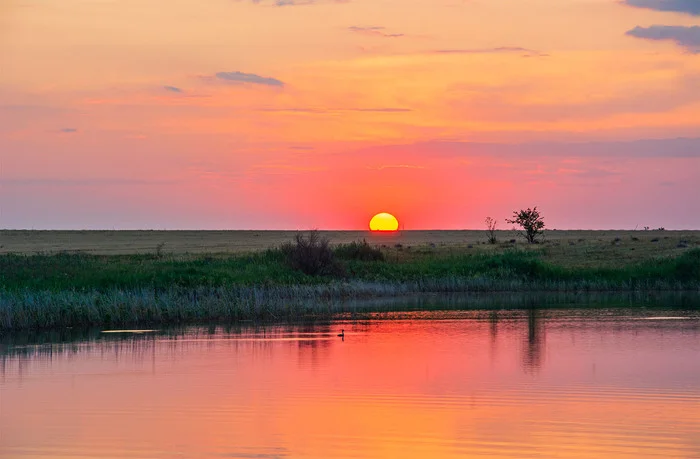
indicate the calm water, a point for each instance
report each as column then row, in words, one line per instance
column 553, row 383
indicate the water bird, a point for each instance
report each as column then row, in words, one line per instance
column 342, row 333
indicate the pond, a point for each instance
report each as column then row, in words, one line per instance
column 569, row 382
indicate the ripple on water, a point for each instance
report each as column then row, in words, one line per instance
column 465, row 385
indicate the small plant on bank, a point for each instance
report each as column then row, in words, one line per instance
column 491, row 229
column 311, row 254
column 159, row 250
column 361, row 251
column 530, row 221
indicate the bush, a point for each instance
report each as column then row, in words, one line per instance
column 531, row 222
column 491, row 229
column 311, row 255
column 360, row 251
column 687, row 266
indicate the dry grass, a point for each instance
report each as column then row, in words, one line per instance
column 610, row 248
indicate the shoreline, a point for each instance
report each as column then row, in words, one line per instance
column 476, row 306
column 45, row 310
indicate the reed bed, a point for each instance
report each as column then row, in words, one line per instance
column 118, row 307
column 603, row 307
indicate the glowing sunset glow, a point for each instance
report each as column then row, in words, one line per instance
column 384, row 222
column 318, row 110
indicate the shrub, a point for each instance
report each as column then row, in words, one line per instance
column 687, row 266
column 361, row 251
column 491, row 229
column 530, row 221
column 311, row 254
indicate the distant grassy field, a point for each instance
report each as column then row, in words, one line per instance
column 91, row 278
column 179, row 242
column 608, row 248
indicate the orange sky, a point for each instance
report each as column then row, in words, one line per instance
column 245, row 114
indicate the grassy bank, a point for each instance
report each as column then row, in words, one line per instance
column 504, row 266
column 84, row 289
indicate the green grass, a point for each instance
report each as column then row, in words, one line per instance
column 82, row 272
column 46, row 291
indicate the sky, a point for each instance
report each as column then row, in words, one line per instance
column 299, row 114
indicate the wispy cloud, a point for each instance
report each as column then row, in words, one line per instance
column 172, row 89
column 286, row 168
column 395, row 166
column 375, row 32
column 293, row 109
column 647, row 148
column 251, row 78
column 295, row 2
column 336, row 110
column 68, row 130
column 687, row 37
column 591, row 172
column 501, row 103
column 678, row 6
column 379, row 109
column 68, row 182
column 496, row 50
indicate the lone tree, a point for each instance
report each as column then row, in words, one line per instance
column 531, row 222
column 491, row 229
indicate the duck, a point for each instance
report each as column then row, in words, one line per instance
column 342, row 333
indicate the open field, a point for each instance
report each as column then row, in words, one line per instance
column 179, row 242
column 571, row 248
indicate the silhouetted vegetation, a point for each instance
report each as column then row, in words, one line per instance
column 530, row 221
column 360, row 251
column 311, row 254
column 686, row 268
column 491, row 230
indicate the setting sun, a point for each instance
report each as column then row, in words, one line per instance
column 384, row 222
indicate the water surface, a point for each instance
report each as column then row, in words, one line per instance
column 566, row 383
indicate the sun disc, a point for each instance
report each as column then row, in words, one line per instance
column 383, row 222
